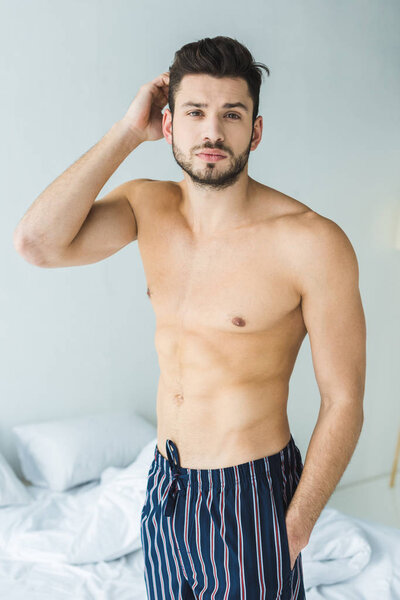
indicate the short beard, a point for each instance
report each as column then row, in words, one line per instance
column 208, row 177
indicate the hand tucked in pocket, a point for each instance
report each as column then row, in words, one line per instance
column 298, row 536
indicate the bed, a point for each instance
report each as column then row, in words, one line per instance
column 82, row 541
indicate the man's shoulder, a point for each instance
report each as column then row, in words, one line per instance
column 157, row 186
column 279, row 208
column 316, row 246
column 300, row 220
column 316, row 232
column 150, row 193
column 307, row 237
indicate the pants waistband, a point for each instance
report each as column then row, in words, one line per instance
column 286, row 459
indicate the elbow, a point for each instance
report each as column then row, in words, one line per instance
column 28, row 249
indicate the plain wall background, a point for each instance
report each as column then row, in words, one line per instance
column 81, row 339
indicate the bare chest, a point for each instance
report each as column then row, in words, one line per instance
column 236, row 283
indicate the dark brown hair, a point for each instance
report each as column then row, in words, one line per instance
column 220, row 57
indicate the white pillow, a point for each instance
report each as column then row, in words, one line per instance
column 62, row 454
column 12, row 490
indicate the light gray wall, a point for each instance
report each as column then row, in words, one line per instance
column 77, row 340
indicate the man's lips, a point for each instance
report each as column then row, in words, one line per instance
column 211, row 156
column 214, row 152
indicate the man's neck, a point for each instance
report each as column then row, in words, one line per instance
column 209, row 211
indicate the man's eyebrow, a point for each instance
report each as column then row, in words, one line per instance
column 226, row 105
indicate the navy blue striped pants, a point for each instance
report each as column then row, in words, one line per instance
column 220, row 534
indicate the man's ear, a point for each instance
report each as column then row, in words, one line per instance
column 257, row 132
column 167, row 125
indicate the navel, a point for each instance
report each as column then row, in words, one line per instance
column 239, row 321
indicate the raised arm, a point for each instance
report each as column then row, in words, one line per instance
column 65, row 225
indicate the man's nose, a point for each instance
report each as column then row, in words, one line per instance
column 213, row 130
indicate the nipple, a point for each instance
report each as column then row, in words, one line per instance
column 148, row 292
column 239, row 321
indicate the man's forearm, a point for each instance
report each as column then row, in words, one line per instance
column 331, row 447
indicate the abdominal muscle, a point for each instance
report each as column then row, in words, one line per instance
column 225, row 428
column 222, row 394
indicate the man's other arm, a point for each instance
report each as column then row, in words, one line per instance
column 327, row 276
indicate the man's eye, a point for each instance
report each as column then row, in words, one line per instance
column 197, row 111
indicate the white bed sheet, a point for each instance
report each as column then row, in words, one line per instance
column 378, row 579
column 34, row 544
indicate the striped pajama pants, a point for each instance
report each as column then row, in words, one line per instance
column 220, row 534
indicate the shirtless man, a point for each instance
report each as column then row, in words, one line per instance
column 238, row 273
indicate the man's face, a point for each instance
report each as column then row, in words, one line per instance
column 215, row 126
